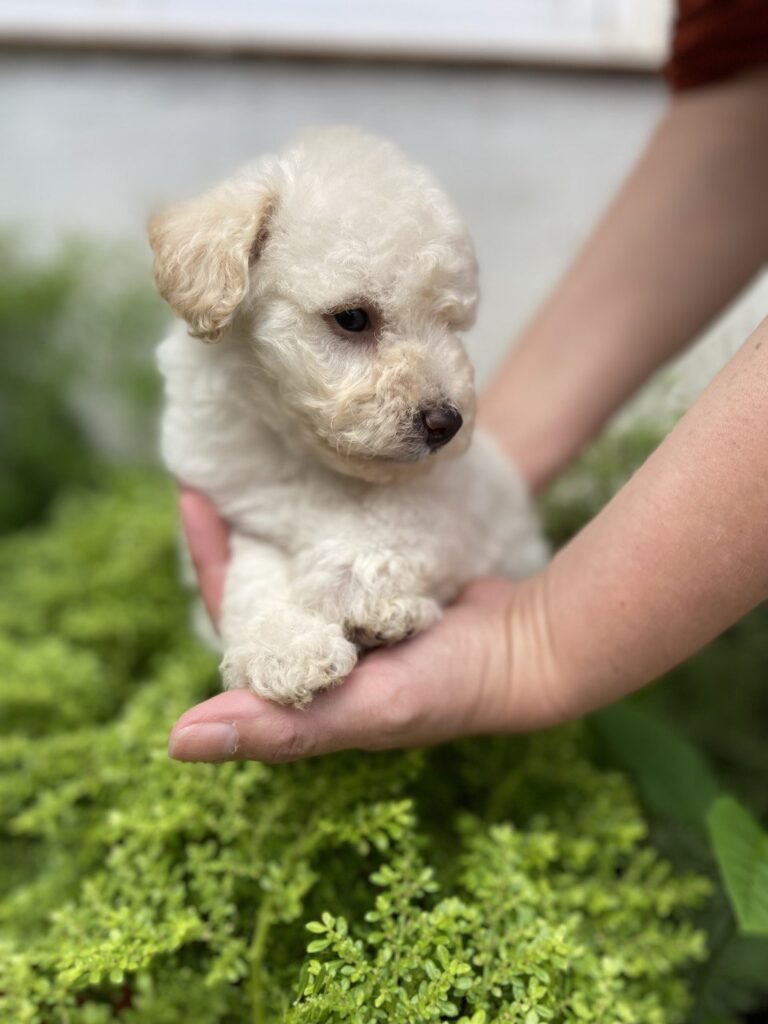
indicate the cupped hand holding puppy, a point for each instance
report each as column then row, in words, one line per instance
column 455, row 679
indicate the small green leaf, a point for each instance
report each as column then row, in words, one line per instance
column 741, row 849
column 318, row 945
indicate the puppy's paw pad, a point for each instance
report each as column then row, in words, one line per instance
column 389, row 621
column 290, row 665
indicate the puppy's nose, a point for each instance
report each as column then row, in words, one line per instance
column 441, row 423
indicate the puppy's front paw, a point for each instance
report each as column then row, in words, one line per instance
column 382, row 620
column 378, row 595
column 289, row 658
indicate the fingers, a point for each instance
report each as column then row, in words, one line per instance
column 240, row 725
column 208, row 541
column 430, row 689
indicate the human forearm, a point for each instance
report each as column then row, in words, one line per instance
column 675, row 558
column 685, row 234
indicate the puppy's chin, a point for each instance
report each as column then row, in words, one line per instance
column 390, row 467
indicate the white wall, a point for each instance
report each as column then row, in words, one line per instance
column 624, row 32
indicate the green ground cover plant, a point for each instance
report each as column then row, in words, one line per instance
column 78, row 382
column 505, row 880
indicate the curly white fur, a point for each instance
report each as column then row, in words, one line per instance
column 347, row 530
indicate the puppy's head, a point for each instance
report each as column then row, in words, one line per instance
column 346, row 274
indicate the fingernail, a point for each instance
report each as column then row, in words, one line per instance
column 209, row 741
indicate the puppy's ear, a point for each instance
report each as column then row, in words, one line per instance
column 204, row 249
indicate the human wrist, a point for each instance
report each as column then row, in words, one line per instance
column 532, row 467
column 559, row 664
column 524, row 673
column 495, row 421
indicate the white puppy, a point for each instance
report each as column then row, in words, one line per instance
column 331, row 422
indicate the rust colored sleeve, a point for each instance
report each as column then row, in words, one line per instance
column 714, row 39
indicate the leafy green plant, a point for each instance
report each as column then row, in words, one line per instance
column 76, row 335
column 490, row 881
column 41, row 443
column 677, row 783
column 674, row 778
column 741, row 848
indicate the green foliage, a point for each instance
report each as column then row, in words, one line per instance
column 488, row 881
column 538, row 930
column 672, row 775
column 719, row 698
column 741, row 847
column 41, row 443
column 76, row 334
column 677, row 783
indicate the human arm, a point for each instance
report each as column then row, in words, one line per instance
column 686, row 232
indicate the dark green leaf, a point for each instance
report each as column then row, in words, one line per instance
column 673, row 777
column 741, row 849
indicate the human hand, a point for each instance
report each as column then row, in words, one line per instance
column 484, row 668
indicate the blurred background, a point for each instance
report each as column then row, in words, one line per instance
column 529, row 111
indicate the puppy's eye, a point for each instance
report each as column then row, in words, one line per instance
column 354, row 320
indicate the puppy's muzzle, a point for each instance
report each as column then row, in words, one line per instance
column 439, row 424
